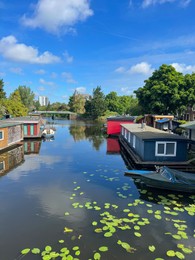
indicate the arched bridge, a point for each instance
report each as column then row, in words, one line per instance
column 71, row 115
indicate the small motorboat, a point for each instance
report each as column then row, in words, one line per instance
column 48, row 133
column 166, row 179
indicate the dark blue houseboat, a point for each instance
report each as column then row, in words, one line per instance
column 150, row 146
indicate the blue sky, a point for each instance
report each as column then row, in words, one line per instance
column 57, row 46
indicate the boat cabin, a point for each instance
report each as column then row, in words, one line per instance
column 32, row 125
column 190, row 132
column 113, row 123
column 11, row 133
column 153, row 145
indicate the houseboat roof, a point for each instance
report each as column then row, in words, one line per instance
column 121, row 118
column 189, row 125
column 4, row 124
column 146, row 132
column 24, row 119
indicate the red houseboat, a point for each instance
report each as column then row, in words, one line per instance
column 113, row 124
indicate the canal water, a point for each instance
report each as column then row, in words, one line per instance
column 68, row 198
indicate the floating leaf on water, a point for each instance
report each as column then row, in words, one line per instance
column 94, row 223
column 46, row 257
column 48, row 248
column 150, row 211
column 103, row 248
column 77, row 253
column 75, row 248
column 137, row 234
column 137, row 227
column 126, row 246
column 178, row 237
column 25, row 251
column 180, row 245
column 67, row 230
column 157, row 216
column 179, row 255
column 36, row 251
column 187, row 250
column 108, row 234
column 171, row 253
column 159, row 258
column 152, row 248
column 61, row 241
column 66, row 213
column 97, row 256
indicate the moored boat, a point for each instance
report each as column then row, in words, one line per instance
column 166, row 178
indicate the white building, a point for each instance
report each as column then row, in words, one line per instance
column 43, row 101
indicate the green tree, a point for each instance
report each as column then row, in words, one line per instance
column 98, row 103
column 188, row 91
column 112, row 101
column 14, row 105
column 161, row 93
column 77, row 103
column 2, row 92
column 27, row 97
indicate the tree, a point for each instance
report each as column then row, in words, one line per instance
column 97, row 103
column 161, row 93
column 2, row 92
column 112, row 101
column 77, row 103
column 14, row 105
column 27, row 97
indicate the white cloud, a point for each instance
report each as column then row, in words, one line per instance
column 126, row 91
column 54, row 16
column 16, row 70
column 69, row 78
column 183, row 68
column 44, row 82
column 147, row 3
column 81, row 89
column 68, row 58
column 2, row 74
column 141, row 68
column 120, row 70
column 41, row 89
column 12, row 50
column 40, row 72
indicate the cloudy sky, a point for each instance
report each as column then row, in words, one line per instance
column 57, row 46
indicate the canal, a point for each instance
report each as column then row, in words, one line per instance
column 69, row 199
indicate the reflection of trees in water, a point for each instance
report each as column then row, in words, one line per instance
column 93, row 133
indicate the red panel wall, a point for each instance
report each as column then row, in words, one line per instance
column 113, row 127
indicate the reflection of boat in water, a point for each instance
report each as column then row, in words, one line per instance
column 166, row 179
column 10, row 159
column 48, row 133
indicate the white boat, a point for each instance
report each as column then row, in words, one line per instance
column 48, row 133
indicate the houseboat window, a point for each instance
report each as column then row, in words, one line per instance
column 165, row 148
column 129, row 137
column 1, row 135
column 134, row 140
column 125, row 133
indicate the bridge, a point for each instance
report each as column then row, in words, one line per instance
column 71, row 115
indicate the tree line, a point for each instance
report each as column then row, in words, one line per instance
column 167, row 91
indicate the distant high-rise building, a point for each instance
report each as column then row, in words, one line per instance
column 43, row 101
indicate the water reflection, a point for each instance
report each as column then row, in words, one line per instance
column 91, row 132
column 32, row 146
column 11, row 159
